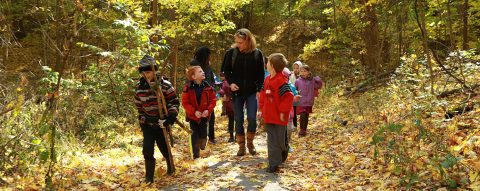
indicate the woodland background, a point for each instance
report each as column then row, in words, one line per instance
column 401, row 74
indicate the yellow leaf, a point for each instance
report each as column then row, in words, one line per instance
column 419, row 163
column 134, row 181
column 82, row 176
column 457, row 148
column 476, row 165
column 387, row 174
column 160, row 172
column 122, row 169
column 475, row 185
column 391, row 167
column 349, row 160
column 452, row 128
column 472, row 176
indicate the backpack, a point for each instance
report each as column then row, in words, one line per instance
column 256, row 54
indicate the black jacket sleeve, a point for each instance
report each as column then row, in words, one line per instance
column 261, row 71
column 227, row 66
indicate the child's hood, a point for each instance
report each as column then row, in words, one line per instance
column 298, row 63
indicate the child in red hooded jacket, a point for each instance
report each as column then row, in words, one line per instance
column 275, row 103
column 198, row 100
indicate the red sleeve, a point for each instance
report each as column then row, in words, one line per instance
column 261, row 100
column 285, row 99
column 261, row 96
column 189, row 110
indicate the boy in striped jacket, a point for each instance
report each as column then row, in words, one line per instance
column 149, row 118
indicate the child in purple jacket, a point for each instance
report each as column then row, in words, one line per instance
column 306, row 86
column 227, row 106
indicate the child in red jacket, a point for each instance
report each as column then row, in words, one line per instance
column 275, row 104
column 198, row 100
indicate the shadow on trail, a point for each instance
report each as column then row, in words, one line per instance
column 226, row 171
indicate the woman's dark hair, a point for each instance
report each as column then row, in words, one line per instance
column 201, row 55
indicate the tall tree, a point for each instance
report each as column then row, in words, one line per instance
column 400, row 22
column 420, row 16
column 371, row 37
column 451, row 37
column 465, row 25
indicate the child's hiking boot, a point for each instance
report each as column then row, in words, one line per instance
column 170, row 167
column 196, row 150
column 203, row 143
column 271, row 169
column 302, row 133
column 149, row 171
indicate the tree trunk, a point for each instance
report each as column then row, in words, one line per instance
column 51, row 104
column 265, row 9
column 371, row 38
column 7, row 23
column 249, row 15
column 450, row 27
column 465, row 25
column 400, row 22
column 154, row 13
column 112, row 88
column 421, row 24
column 384, row 52
column 173, row 73
column 335, row 17
column 289, row 41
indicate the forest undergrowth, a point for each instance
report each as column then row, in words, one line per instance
column 396, row 136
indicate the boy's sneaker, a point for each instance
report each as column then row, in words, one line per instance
column 290, row 150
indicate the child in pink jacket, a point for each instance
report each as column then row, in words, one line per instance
column 306, row 86
column 227, row 106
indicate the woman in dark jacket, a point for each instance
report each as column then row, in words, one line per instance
column 243, row 66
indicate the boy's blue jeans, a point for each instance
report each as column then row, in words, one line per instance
column 250, row 102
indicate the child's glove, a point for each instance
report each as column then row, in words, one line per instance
column 161, row 121
column 170, row 120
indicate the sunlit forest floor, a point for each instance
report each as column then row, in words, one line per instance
column 332, row 156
